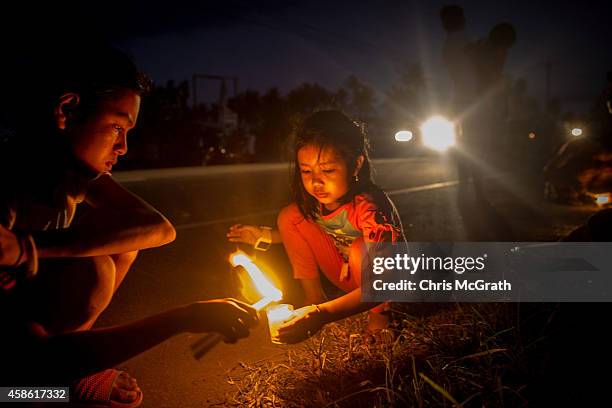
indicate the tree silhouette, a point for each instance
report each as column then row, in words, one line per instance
column 361, row 99
column 248, row 106
column 308, row 98
column 404, row 103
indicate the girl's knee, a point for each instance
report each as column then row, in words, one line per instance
column 358, row 259
column 289, row 216
column 358, row 248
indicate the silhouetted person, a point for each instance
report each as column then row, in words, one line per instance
column 463, row 89
column 602, row 112
column 456, row 60
column 485, row 120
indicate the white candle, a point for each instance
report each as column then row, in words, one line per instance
column 277, row 316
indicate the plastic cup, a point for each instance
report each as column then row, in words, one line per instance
column 277, row 316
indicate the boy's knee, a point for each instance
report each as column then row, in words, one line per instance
column 125, row 260
column 290, row 215
column 102, row 272
column 98, row 284
column 71, row 293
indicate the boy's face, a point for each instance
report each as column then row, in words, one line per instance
column 100, row 138
column 325, row 175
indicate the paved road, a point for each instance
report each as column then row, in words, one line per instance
column 204, row 202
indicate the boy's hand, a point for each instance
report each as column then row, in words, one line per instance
column 308, row 321
column 247, row 234
column 229, row 317
column 9, row 247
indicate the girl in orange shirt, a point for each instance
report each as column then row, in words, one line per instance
column 337, row 209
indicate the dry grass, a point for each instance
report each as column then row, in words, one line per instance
column 442, row 355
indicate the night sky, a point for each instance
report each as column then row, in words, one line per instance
column 285, row 43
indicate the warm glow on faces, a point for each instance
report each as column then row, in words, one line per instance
column 99, row 139
column 325, row 175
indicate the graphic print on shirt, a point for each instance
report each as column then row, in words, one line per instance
column 341, row 231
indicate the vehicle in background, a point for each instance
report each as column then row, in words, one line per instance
column 435, row 134
column 580, row 172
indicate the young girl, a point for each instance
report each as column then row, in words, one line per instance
column 337, row 208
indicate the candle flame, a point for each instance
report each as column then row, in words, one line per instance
column 263, row 285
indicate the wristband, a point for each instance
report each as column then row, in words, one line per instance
column 264, row 242
column 26, row 266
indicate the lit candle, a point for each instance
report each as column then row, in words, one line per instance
column 277, row 316
column 266, row 289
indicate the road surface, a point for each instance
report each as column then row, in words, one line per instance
column 204, row 202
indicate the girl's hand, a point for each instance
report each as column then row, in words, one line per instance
column 308, row 321
column 248, row 234
column 229, row 317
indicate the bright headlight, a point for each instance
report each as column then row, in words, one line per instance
column 403, row 136
column 577, row 132
column 438, row 133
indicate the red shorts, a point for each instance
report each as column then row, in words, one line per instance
column 311, row 250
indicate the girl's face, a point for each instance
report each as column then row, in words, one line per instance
column 325, row 175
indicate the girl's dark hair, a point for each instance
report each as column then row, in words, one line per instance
column 333, row 129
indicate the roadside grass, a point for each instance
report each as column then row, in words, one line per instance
column 435, row 355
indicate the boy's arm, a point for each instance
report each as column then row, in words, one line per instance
column 76, row 354
column 120, row 222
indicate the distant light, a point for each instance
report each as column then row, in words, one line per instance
column 602, row 199
column 531, row 135
column 577, row 132
column 438, row 133
column 223, row 151
column 403, row 136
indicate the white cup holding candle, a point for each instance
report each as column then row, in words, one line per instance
column 277, row 316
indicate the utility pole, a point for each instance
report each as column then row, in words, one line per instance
column 227, row 121
column 548, row 70
column 222, row 78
